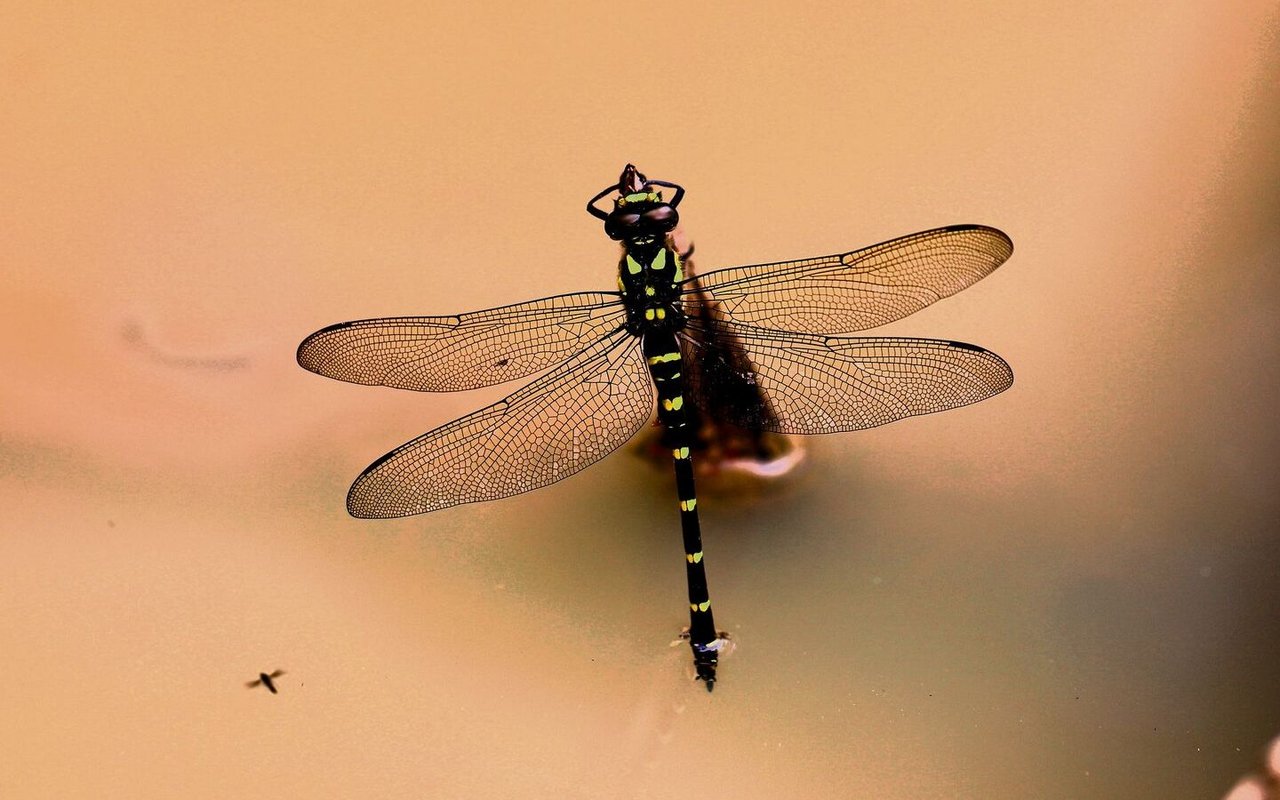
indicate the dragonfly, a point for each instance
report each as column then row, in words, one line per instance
column 761, row 347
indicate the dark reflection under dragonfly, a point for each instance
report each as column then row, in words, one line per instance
column 761, row 347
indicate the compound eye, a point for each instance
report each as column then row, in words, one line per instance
column 662, row 218
column 618, row 224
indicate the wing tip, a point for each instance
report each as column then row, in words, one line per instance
column 976, row 227
column 366, row 499
column 1006, row 378
column 363, row 507
column 307, row 355
column 1006, row 372
column 362, row 501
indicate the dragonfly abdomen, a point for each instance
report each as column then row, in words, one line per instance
column 662, row 354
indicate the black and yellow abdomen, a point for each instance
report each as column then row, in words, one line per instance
column 666, row 366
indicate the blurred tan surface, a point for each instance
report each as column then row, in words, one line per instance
column 1067, row 591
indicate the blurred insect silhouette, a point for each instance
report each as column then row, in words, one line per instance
column 266, row 680
column 756, row 347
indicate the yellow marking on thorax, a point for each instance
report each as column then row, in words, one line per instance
column 633, row 266
column 662, row 359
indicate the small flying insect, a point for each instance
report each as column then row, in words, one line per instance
column 266, row 680
column 762, row 345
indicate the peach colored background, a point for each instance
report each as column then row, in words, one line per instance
column 1067, row 591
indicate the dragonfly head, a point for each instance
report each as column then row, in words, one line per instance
column 639, row 212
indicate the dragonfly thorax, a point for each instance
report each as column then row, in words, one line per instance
column 649, row 277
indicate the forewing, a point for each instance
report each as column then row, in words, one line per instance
column 827, row 384
column 863, row 289
column 449, row 354
column 559, row 424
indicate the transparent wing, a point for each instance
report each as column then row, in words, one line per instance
column 559, row 424
column 827, row 384
column 449, row 354
column 854, row 291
